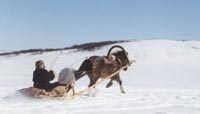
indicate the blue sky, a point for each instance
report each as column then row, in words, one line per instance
column 60, row 23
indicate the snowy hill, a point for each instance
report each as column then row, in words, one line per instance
column 165, row 80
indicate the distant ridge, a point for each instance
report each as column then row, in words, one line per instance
column 81, row 47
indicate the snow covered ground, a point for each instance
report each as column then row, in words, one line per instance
column 165, row 80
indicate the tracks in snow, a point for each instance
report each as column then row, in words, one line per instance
column 145, row 101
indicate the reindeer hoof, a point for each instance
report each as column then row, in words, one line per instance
column 122, row 89
column 123, row 92
column 109, row 84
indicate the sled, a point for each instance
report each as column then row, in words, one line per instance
column 58, row 93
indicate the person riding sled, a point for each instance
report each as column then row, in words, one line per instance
column 42, row 77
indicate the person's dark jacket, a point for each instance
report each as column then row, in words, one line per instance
column 41, row 78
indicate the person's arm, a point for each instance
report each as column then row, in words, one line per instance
column 51, row 75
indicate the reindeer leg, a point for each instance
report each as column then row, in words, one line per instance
column 117, row 78
column 110, row 83
column 93, row 80
column 122, row 89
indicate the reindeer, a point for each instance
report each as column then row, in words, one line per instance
column 102, row 66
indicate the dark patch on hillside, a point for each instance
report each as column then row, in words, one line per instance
column 82, row 47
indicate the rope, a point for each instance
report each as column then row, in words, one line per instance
column 77, row 61
column 99, row 82
column 53, row 62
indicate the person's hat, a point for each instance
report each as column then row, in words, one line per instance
column 39, row 64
